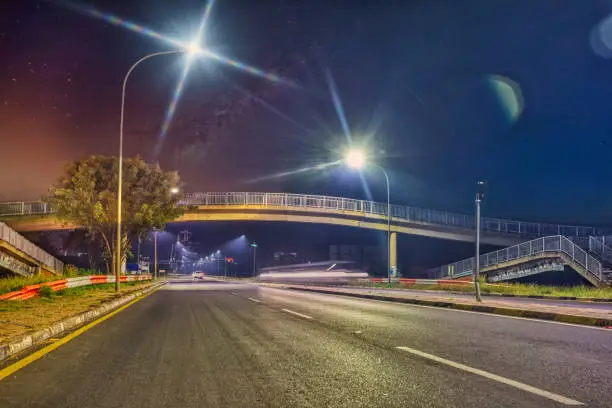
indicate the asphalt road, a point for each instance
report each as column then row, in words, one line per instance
column 236, row 345
column 516, row 300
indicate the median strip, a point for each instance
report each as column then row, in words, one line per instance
column 516, row 384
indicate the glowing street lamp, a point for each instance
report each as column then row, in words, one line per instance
column 191, row 49
column 174, row 190
column 356, row 159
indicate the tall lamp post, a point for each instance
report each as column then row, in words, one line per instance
column 480, row 187
column 192, row 49
column 356, row 159
column 254, row 246
column 218, row 256
column 154, row 255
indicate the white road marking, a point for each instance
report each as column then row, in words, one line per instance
column 254, row 300
column 234, row 293
column 297, row 314
column 521, row 386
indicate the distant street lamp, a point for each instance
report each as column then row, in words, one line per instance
column 356, row 159
column 254, row 246
column 218, row 256
column 480, row 187
column 193, row 49
column 154, row 255
column 172, row 260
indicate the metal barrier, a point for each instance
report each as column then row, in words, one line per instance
column 400, row 212
column 555, row 243
column 31, row 291
column 16, row 240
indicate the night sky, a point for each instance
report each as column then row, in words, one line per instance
column 444, row 92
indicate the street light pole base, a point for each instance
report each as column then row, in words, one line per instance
column 477, row 289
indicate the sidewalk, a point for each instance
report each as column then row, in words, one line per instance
column 574, row 313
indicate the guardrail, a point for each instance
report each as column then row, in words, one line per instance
column 31, row 291
column 555, row 243
column 400, row 212
column 16, row 240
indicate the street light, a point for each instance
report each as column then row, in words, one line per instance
column 192, row 49
column 172, row 263
column 480, row 190
column 356, row 159
column 254, row 246
column 156, row 230
column 217, row 256
column 174, row 190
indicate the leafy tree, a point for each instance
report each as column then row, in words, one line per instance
column 86, row 195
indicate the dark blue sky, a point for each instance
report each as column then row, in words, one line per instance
column 414, row 77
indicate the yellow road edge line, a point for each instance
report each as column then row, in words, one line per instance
column 18, row 365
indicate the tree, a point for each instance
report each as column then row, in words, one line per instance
column 86, row 195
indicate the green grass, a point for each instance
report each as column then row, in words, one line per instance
column 557, row 291
column 518, row 289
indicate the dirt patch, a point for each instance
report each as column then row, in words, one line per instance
column 20, row 317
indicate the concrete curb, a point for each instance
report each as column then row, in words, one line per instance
column 531, row 314
column 32, row 339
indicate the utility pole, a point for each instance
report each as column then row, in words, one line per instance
column 479, row 197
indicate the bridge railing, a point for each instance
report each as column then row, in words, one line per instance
column 25, row 208
column 16, row 240
column 402, row 212
column 399, row 212
column 555, row 243
column 598, row 247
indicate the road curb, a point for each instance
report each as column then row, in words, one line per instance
column 8, row 350
column 530, row 314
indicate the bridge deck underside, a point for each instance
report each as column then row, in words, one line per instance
column 299, row 215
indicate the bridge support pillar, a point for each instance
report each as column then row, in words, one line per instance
column 393, row 251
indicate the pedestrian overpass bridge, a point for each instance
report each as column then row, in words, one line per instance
column 27, row 216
